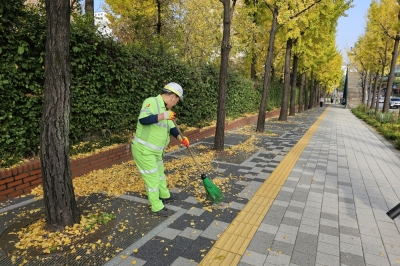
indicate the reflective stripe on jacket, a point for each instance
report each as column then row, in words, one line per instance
column 154, row 136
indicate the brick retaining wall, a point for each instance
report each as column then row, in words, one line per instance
column 22, row 179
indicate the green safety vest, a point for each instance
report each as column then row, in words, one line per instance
column 155, row 136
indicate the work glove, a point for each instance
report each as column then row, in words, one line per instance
column 169, row 115
column 184, row 141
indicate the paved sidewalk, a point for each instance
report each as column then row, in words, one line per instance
column 331, row 210
column 315, row 194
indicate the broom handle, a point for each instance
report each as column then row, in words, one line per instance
column 190, row 150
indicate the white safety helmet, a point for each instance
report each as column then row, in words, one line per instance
column 175, row 88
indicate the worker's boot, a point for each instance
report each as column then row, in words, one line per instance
column 172, row 198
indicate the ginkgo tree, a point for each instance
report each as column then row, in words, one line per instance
column 380, row 43
column 229, row 7
column 142, row 22
column 198, row 34
column 282, row 13
column 389, row 19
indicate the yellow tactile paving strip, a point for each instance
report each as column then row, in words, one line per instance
column 230, row 247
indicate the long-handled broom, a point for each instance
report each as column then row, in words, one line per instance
column 211, row 189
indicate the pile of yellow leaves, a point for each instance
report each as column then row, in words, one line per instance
column 118, row 180
column 123, row 178
column 35, row 235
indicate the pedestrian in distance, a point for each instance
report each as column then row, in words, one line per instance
column 321, row 101
column 152, row 136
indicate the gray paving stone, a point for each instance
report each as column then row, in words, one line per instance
column 328, row 248
column 284, row 228
column 351, row 260
column 278, row 210
column 294, row 215
column 295, row 209
column 392, row 249
column 354, row 240
column 180, row 261
column 282, row 247
column 299, row 198
column 236, row 205
column 312, row 215
column 271, row 220
column 284, row 198
column 274, row 258
column 192, row 200
column 214, row 230
column 244, row 264
column 287, row 189
column 261, row 242
column 371, row 239
column 304, row 247
column 191, row 233
column 291, row 222
column 386, row 225
column 307, row 238
column 393, row 259
column 352, row 249
column 308, row 229
column 349, row 231
column 297, row 204
column 271, row 229
column 285, row 237
column 327, row 259
column 253, row 258
column 169, row 233
column 310, row 221
column 328, row 222
column 371, row 248
column 280, row 203
column 303, row 259
column 195, row 211
column 371, row 259
column 390, row 240
column 334, row 240
column 329, row 230
column 130, row 260
column 348, row 223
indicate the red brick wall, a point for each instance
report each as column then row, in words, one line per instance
column 22, row 179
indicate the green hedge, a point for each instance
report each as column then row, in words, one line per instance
column 109, row 82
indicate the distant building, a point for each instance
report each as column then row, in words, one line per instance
column 102, row 22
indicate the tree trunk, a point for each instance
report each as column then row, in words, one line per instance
column 159, row 25
column 59, row 199
column 303, row 77
column 369, row 89
column 223, row 76
column 286, row 84
column 374, row 95
column 89, row 10
column 391, row 74
column 306, row 103
column 267, row 71
column 292, row 109
column 365, row 84
column 380, row 87
column 312, row 89
column 253, row 73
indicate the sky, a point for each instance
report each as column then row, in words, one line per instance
column 99, row 3
column 351, row 27
column 348, row 30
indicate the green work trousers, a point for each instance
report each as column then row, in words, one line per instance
column 151, row 168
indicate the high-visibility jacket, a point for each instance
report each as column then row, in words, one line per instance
column 155, row 136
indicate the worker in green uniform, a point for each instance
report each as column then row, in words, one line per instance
column 152, row 136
